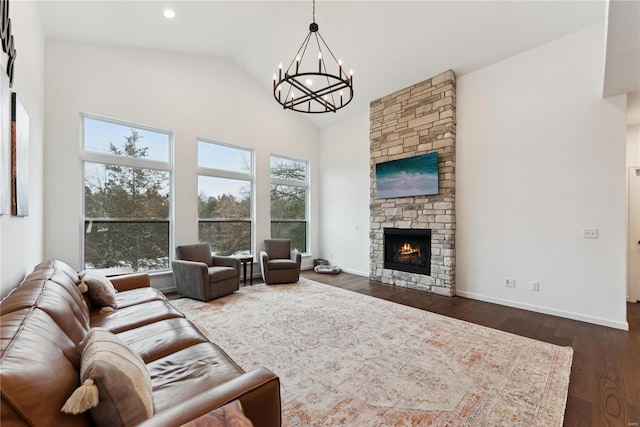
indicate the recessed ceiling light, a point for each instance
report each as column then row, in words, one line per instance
column 309, row 82
column 168, row 13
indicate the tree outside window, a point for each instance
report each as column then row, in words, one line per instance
column 225, row 178
column 126, row 196
column 289, row 194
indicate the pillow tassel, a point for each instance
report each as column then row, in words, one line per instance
column 82, row 287
column 84, row 398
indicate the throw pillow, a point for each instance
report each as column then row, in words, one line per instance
column 116, row 385
column 100, row 289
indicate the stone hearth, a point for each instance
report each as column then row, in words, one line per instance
column 417, row 120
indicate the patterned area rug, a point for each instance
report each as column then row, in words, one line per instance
column 349, row 359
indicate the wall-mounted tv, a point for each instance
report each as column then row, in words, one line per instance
column 413, row 176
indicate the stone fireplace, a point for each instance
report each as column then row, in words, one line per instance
column 416, row 120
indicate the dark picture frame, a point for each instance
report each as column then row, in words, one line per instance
column 19, row 158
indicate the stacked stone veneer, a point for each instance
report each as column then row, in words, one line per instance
column 417, row 120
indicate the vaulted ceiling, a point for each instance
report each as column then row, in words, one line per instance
column 388, row 44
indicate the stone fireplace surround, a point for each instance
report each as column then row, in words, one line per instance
column 416, row 120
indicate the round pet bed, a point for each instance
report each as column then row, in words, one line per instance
column 326, row 269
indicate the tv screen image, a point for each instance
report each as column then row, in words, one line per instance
column 413, row 176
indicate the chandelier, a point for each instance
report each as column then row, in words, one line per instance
column 323, row 87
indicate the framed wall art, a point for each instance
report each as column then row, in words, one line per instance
column 413, row 176
column 19, row 158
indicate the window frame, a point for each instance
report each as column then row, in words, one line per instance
column 294, row 183
column 228, row 174
column 132, row 162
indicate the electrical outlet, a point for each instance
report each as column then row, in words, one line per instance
column 535, row 286
column 589, row 233
column 509, row 282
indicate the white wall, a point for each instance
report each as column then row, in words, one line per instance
column 344, row 195
column 633, row 145
column 21, row 237
column 633, row 160
column 540, row 156
column 192, row 96
column 633, row 129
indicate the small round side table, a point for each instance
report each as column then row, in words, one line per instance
column 246, row 259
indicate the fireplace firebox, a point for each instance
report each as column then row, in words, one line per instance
column 407, row 250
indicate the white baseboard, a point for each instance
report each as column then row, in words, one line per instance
column 356, row 272
column 546, row 310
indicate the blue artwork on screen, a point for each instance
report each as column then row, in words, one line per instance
column 414, row 176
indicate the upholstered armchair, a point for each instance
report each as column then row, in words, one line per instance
column 278, row 264
column 202, row 276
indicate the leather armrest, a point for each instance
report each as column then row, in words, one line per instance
column 258, row 391
column 127, row 282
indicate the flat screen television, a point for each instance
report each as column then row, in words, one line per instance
column 413, row 176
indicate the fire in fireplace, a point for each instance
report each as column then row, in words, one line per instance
column 407, row 250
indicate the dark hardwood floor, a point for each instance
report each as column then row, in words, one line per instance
column 604, row 388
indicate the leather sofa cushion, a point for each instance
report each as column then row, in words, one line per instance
column 39, row 370
column 187, row 373
column 282, row 264
column 159, row 339
column 221, row 273
column 56, row 278
column 123, row 319
column 138, row 296
column 68, row 311
column 61, row 267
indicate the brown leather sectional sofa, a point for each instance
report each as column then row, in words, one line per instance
column 45, row 318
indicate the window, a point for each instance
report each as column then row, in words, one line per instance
column 289, row 195
column 127, row 175
column 225, row 195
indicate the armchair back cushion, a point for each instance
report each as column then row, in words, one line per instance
column 278, row 248
column 200, row 252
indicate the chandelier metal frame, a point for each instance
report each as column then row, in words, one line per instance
column 333, row 92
